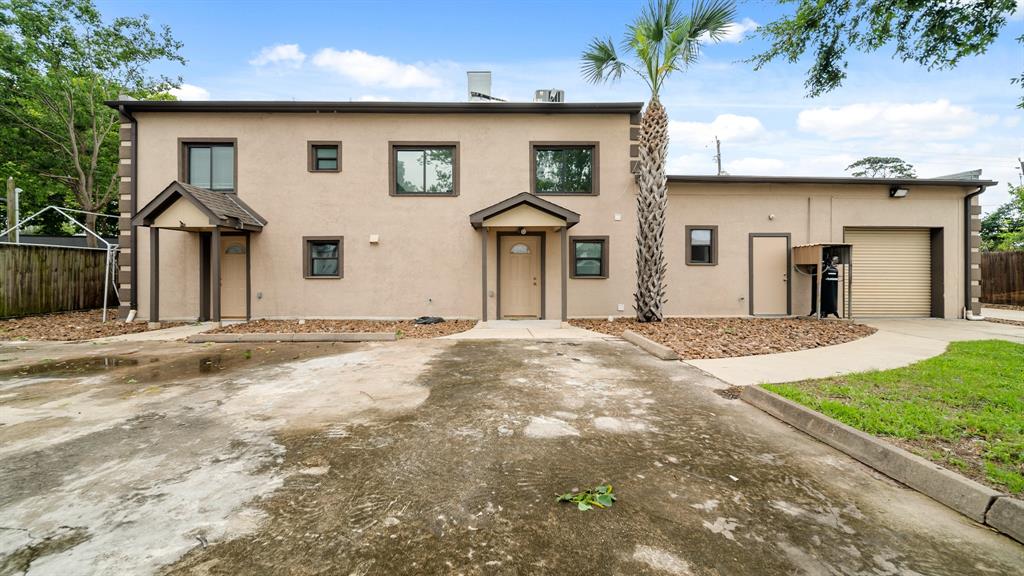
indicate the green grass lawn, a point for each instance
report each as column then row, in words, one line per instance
column 963, row 409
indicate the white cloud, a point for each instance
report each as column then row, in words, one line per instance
column 374, row 98
column 728, row 127
column 288, row 54
column 923, row 121
column 190, row 92
column 371, row 70
column 1018, row 14
column 755, row 166
column 735, row 31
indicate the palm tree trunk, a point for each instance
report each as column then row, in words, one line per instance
column 652, row 204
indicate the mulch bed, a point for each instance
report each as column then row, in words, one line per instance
column 82, row 325
column 405, row 328
column 701, row 338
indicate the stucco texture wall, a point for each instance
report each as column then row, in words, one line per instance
column 811, row 214
column 428, row 260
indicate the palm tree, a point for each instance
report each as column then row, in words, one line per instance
column 659, row 42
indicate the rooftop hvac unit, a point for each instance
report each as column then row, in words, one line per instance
column 551, row 95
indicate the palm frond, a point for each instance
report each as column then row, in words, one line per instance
column 712, row 19
column 601, row 63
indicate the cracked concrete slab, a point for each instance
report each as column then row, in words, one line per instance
column 435, row 456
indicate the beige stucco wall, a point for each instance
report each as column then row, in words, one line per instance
column 811, row 214
column 428, row 258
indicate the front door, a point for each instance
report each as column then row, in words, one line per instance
column 769, row 275
column 519, row 292
column 233, row 277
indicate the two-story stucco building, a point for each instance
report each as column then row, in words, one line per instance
column 494, row 210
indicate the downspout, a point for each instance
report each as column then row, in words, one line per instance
column 968, row 312
column 133, row 303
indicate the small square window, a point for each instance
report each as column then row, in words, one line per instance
column 322, row 256
column 324, row 156
column 589, row 256
column 702, row 245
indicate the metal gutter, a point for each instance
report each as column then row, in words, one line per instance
column 378, row 107
column 968, row 311
column 710, row 179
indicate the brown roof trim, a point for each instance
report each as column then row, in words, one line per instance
column 378, row 107
column 688, row 179
column 571, row 218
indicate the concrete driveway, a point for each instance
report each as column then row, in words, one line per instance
column 434, row 457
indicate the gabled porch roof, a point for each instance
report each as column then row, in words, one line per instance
column 479, row 218
column 215, row 209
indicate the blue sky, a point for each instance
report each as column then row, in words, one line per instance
column 941, row 122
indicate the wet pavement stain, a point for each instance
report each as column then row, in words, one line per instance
column 457, row 486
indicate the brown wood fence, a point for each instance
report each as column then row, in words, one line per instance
column 42, row 279
column 1002, row 278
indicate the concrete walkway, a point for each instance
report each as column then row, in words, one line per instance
column 161, row 335
column 1003, row 314
column 897, row 343
column 526, row 330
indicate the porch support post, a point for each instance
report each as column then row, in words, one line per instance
column 215, row 264
column 565, row 272
column 154, row 276
column 483, row 278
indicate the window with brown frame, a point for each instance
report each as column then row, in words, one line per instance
column 702, row 245
column 564, row 168
column 210, row 164
column 588, row 256
column 324, row 157
column 323, row 256
column 427, row 169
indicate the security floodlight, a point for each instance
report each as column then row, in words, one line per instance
column 898, row 192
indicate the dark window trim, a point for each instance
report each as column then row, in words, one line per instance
column 554, row 145
column 714, row 246
column 312, row 145
column 604, row 256
column 307, row 272
column 185, row 143
column 395, row 146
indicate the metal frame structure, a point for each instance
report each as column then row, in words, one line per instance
column 111, row 249
column 808, row 259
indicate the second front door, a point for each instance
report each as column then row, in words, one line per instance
column 520, row 268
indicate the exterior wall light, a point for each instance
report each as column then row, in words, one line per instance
column 898, row 192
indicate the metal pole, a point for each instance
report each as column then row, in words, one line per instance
column 106, row 284
column 17, row 214
column 11, row 224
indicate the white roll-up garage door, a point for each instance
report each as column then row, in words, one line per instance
column 891, row 271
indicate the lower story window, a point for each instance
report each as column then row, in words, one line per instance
column 702, row 245
column 322, row 256
column 589, row 256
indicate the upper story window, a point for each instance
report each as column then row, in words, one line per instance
column 324, row 157
column 702, row 245
column 430, row 169
column 210, row 164
column 564, row 168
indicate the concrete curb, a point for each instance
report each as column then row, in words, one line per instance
column 959, row 493
column 659, row 351
column 295, row 337
column 1007, row 516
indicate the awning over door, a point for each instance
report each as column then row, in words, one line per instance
column 185, row 207
column 522, row 211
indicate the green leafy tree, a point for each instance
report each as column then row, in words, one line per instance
column 60, row 62
column 659, row 42
column 1003, row 228
column 881, row 167
column 936, row 34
